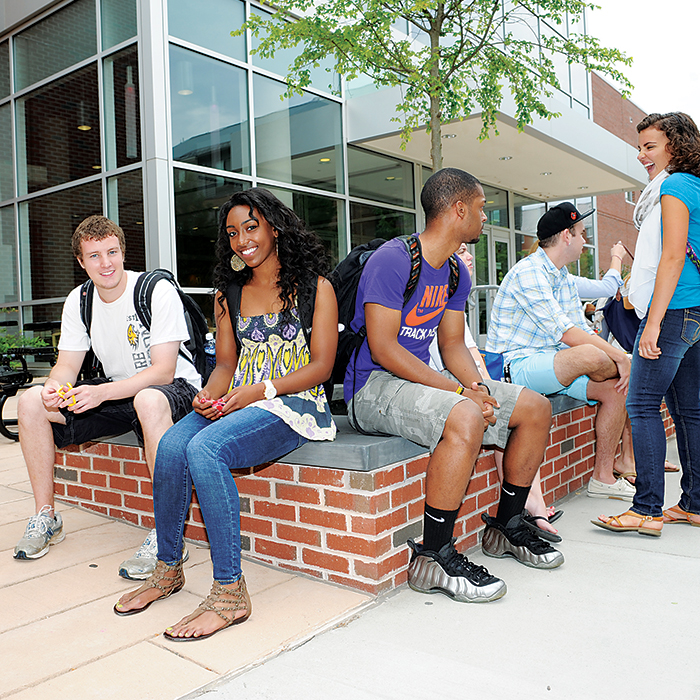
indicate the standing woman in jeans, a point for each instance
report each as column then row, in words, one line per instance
column 666, row 357
column 264, row 399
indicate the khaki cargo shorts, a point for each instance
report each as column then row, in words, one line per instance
column 393, row 406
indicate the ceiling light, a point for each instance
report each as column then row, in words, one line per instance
column 583, row 188
column 491, row 201
column 324, row 160
column 449, row 136
column 546, row 172
column 391, row 177
column 97, row 167
column 506, row 158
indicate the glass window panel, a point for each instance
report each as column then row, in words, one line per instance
column 62, row 39
column 4, row 69
column 8, row 258
column 321, row 79
column 496, row 208
column 197, row 201
column 527, row 212
column 58, row 132
column 122, row 110
column 7, row 180
column 298, row 139
column 209, row 102
column 561, row 66
column 322, row 215
column 481, row 260
column 210, row 25
column 118, row 21
column 425, row 174
column 523, row 245
column 39, row 313
column 374, row 176
column 125, row 207
column 47, row 266
column 368, row 222
column 501, row 255
column 586, row 263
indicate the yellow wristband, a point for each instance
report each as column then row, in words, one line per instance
column 460, row 390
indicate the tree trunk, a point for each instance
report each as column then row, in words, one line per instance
column 436, row 89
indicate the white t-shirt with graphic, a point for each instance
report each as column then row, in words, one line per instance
column 120, row 341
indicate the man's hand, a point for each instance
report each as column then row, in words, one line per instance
column 480, row 396
column 50, row 395
column 623, row 367
column 87, row 397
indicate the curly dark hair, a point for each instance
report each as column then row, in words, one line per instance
column 684, row 140
column 301, row 254
column 444, row 188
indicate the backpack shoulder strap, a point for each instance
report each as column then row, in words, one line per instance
column 413, row 248
column 143, row 293
column 454, row 275
column 87, row 293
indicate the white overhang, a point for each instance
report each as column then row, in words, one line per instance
column 561, row 158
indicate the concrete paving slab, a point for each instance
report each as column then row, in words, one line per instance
column 17, row 477
column 283, row 616
column 142, row 672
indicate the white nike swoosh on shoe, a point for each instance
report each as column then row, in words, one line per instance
column 437, row 520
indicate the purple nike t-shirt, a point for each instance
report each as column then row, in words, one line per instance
column 383, row 282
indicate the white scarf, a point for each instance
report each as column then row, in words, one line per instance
column 647, row 218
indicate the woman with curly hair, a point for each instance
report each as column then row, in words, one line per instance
column 665, row 290
column 264, row 399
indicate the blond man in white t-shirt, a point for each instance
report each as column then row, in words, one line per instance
column 148, row 384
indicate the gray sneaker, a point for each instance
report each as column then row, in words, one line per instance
column 42, row 531
column 451, row 573
column 143, row 563
column 518, row 541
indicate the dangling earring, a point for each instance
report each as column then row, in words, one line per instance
column 236, row 263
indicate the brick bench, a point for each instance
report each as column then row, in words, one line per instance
column 347, row 523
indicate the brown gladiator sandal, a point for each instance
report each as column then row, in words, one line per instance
column 220, row 600
column 167, row 585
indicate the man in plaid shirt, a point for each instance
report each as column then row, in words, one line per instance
column 538, row 325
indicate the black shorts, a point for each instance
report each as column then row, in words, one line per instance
column 118, row 417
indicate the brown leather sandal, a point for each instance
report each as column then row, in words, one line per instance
column 221, row 601
column 167, row 585
column 675, row 514
column 642, row 524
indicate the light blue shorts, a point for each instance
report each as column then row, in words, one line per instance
column 537, row 373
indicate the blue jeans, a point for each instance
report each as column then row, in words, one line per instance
column 676, row 376
column 203, row 452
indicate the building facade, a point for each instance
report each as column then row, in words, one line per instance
column 149, row 112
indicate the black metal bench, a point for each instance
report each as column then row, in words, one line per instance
column 15, row 376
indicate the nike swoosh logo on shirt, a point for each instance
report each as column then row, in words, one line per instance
column 414, row 319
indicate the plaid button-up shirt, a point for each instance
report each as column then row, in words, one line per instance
column 535, row 305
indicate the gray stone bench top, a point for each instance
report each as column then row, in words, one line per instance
column 356, row 452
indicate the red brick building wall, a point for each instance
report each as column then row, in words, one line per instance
column 620, row 117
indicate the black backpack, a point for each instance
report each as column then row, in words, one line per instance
column 197, row 326
column 306, row 303
column 346, row 278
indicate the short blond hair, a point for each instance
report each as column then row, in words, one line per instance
column 96, row 228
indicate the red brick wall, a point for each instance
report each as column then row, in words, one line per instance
column 342, row 526
column 620, row 117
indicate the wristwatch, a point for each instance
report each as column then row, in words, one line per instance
column 270, row 391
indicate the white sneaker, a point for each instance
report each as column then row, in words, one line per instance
column 622, row 490
column 42, row 530
column 143, row 563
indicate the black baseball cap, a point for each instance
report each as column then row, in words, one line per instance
column 558, row 218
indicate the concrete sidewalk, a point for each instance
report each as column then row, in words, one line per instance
column 618, row 619
column 59, row 637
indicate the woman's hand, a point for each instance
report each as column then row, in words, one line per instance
column 206, row 406
column 242, row 396
column 648, row 349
